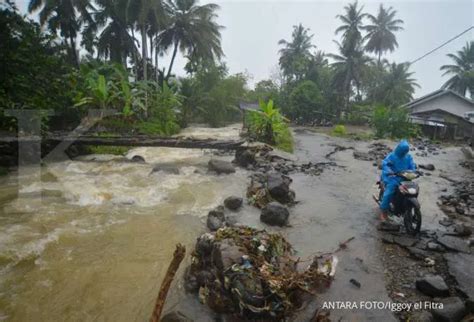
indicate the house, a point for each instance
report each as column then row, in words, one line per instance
column 444, row 114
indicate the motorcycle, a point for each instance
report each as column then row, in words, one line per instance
column 405, row 201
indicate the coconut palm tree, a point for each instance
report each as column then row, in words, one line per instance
column 296, row 54
column 350, row 67
column 114, row 40
column 352, row 24
column 380, row 32
column 462, row 71
column 60, row 16
column 192, row 30
column 398, row 86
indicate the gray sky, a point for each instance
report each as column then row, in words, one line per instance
column 253, row 29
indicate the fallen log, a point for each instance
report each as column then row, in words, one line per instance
column 188, row 143
column 178, row 256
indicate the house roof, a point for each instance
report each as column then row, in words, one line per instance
column 435, row 94
column 248, row 106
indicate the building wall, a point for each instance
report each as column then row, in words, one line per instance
column 448, row 102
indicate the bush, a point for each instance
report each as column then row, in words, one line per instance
column 339, row 130
column 269, row 126
column 392, row 123
column 306, row 102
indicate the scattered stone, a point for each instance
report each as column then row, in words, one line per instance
column 175, row 316
column 138, row 159
column 435, row 247
column 460, row 230
column 428, row 167
column 167, row 168
column 432, row 285
column 388, row 226
column 405, row 241
column 421, row 316
column 244, row 158
column 355, row 282
column 279, row 187
column 446, row 222
column 216, row 219
column 233, row 202
column 220, row 166
column 417, row 253
column 460, row 267
column 453, row 310
column 454, row 244
column 275, row 214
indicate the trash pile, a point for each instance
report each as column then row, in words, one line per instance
column 251, row 273
column 461, row 201
column 377, row 152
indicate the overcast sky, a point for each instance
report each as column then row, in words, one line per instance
column 253, row 29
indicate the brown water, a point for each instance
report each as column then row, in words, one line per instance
column 93, row 239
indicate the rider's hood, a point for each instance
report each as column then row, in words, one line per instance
column 402, row 149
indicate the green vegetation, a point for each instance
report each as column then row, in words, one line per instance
column 268, row 125
column 392, row 123
column 339, row 130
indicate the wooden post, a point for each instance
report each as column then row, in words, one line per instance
column 178, row 256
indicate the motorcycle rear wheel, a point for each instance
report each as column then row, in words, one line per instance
column 412, row 220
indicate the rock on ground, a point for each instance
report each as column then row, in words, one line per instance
column 432, row 285
column 244, row 157
column 279, row 187
column 428, row 167
column 220, row 166
column 453, row 310
column 275, row 214
column 233, row 202
column 422, row 316
column 216, row 218
column 461, row 266
column 454, row 243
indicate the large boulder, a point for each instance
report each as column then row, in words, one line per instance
column 454, row 243
column 220, row 166
column 453, row 310
column 166, row 168
column 233, row 202
column 225, row 254
column 432, row 285
column 279, row 187
column 244, row 157
column 275, row 214
column 216, row 218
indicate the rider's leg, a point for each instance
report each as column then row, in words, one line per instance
column 388, row 194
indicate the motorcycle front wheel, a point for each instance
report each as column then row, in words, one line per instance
column 412, row 220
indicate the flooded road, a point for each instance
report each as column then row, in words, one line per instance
column 93, row 240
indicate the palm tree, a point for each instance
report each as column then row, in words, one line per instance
column 114, row 41
column 351, row 26
column 60, row 15
column 296, row 54
column 191, row 29
column 462, row 71
column 350, row 67
column 380, row 33
column 397, row 87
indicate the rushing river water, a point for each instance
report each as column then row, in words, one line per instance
column 93, row 239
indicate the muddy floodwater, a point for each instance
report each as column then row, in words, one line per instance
column 92, row 240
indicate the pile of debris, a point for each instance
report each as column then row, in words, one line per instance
column 263, row 158
column 426, row 147
column 251, row 273
column 461, row 201
column 267, row 187
column 377, row 152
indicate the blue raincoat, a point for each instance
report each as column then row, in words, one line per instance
column 398, row 160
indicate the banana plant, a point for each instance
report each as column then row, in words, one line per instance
column 267, row 122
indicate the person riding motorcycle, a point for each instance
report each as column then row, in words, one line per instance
column 396, row 161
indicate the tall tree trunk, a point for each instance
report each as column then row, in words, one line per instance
column 156, row 66
column 175, row 51
column 144, row 58
column 380, row 55
column 73, row 51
